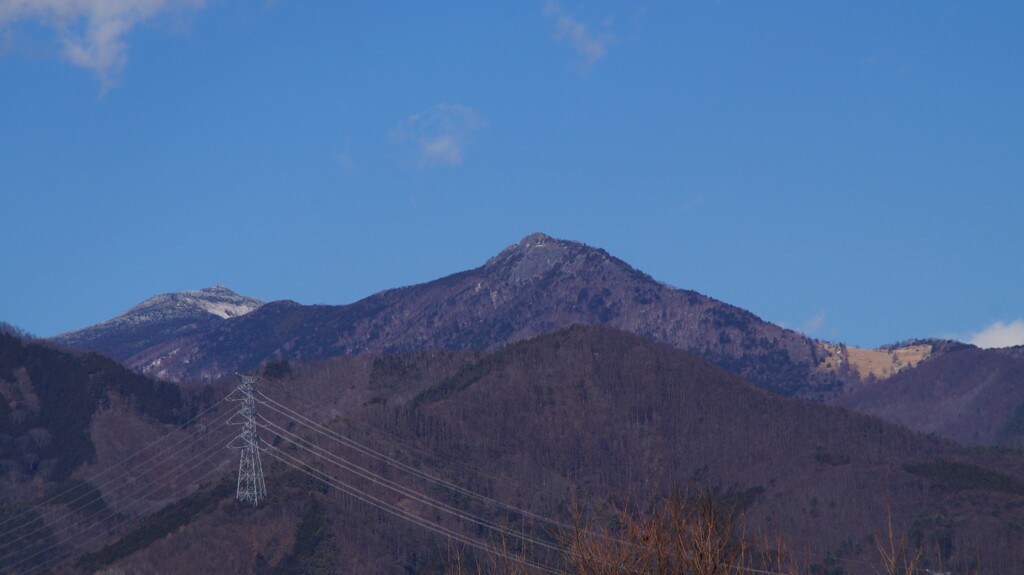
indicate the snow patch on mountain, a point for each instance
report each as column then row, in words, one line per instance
column 165, row 312
column 225, row 310
column 217, row 300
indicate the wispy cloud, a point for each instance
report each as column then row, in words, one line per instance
column 689, row 205
column 346, row 163
column 1000, row 334
column 813, row 324
column 345, row 160
column 91, row 32
column 591, row 45
column 439, row 135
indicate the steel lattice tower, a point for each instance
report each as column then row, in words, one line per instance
column 251, row 488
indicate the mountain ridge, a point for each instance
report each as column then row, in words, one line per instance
column 588, row 410
column 532, row 287
column 971, row 395
column 536, row 286
column 602, row 412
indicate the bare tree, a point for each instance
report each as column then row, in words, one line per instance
column 895, row 553
column 679, row 536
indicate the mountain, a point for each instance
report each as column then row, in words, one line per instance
column 67, row 415
column 48, row 400
column 975, row 396
column 591, row 414
column 162, row 318
column 609, row 411
column 537, row 286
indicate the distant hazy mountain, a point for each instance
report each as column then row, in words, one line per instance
column 159, row 319
column 535, row 287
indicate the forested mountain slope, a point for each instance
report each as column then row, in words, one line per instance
column 538, row 286
column 590, row 413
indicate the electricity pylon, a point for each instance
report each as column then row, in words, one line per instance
column 251, row 488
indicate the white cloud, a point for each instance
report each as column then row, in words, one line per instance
column 592, row 46
column 440, row 134
column 444, row 149
column 1000, row 334
column 91, row 32
column 692, row 204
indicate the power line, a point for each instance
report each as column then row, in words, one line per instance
column 397, row 442
column 331, row 481
column 139, row 494
column 375, row 478
column 251, row 486
column 398, row 488
column 370, row 452
column 90, row 497
column 57, row 496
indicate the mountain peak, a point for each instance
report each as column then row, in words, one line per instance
column 535, row 255
column 532, row 287
column 531, row 242
column 214, row 300
column 217, row 289
column 170, row 313
column 535, row 239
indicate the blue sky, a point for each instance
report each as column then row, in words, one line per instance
column 853, row 170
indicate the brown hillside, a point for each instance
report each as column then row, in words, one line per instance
column 612, row 413
column 591, row 413
column 972, row 395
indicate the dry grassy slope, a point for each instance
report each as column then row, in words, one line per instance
column 971, row 395
column 871, row 364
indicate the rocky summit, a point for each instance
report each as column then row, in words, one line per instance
column 160, row 318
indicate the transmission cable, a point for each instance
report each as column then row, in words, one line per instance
column 401, row 489
column 399, row 443
column 184, row 443
column 58, row 495
column 330, row 480
column 330, row 433
column 150, row 489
